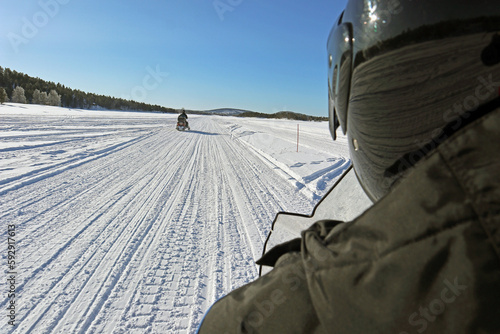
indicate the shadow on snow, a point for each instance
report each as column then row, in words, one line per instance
column 203, row 133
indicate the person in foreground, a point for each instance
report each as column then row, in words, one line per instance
column 415, row 85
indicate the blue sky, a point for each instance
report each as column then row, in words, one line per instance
column 261, row 55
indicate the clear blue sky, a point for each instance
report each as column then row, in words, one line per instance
column 261, row 55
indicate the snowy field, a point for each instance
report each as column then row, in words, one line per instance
column 121, row 224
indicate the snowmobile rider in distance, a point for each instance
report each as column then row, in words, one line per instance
column 182, row 118
column 415, row 85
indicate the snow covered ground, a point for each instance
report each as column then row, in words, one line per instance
column 121, row 224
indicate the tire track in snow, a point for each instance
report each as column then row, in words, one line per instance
column 48, row 189
column 182, row 268
column 132, row 259
column 50, row 171
column 92, row 251
column 185, row 191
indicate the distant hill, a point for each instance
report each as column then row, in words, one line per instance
column 225, row 111
column 284, row 115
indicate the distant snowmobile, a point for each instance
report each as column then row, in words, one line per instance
column 182, row 125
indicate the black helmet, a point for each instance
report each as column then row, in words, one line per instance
column 404, row 74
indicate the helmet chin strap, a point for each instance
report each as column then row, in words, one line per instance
column 462, row 121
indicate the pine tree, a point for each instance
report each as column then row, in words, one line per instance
column 44, row 98
column 36, row 97
column 3, row 95
column 54, row 99
column 18, row 95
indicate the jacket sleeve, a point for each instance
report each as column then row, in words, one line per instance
column 267, row 305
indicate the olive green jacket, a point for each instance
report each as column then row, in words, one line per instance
column 424, row 259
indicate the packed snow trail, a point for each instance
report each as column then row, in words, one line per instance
column 130, row 226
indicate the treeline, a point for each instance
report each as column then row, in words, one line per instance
column 38, row 91
column 283, row 115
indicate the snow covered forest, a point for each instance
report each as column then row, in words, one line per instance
column 34, row 88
